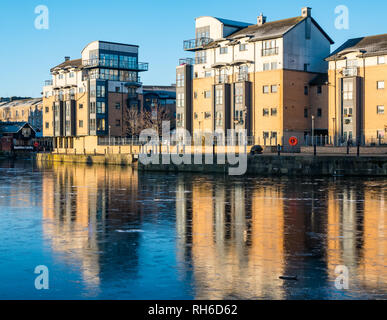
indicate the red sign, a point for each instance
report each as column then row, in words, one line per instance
column 36, row 144
column 293, row 141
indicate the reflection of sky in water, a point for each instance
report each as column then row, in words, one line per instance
column 115, row 234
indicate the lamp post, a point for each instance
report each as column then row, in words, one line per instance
column 313, row 142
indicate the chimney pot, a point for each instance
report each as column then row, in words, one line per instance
column 261, row 20
column 306, row 12
column 67, row 58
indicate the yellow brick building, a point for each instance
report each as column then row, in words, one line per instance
column 269, row 78
column 357, row 94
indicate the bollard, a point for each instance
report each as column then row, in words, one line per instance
column 315, row 150
column 279, row 150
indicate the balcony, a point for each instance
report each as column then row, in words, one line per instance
column 270, row 52
column 134, row 83
column 114, row 64
column 241, row 77
column 188, row 61
column 196, row 44
column 221, row 79
column 350, row 72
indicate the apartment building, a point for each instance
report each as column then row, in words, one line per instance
column 23, row 110
column 89, row 96
column 357, row 93
column 269, row 78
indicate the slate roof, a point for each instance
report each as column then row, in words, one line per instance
column 274, row 29
column 68, row 64
column 373, row 45
column 13, row 127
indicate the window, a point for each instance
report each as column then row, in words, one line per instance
column 92, row 107
column 269, row 48
column 319, row 89
column 319, row 112
column 305, row 113
column 118, row 123
column 266, row 66
column 195, row 95
column 195, row 115
column 266, row 135
column 101, row 124
column 100, row 107
column 71, row 75
column 265, row 112
column 238, row 94
column 348, row 90
column 380, row 85
column 381, row 60
column 180, row 100
column 47, row 125
column 274, row 112
column 208, row 74
column 219, row 96
column 207, row 94
column 80, row 106
column 207, row 115
column 92, row 124
column 47, row 109
column 100, row 91
column 306, row 90
column 380, row 134
column 80, row 123
column 117, row 89
column 118, row 106
column 223, row 50
column 274, row 66
column 243, row 47
column 380, row 110
column 306, row 67
column 274, row 88
column 266, row 89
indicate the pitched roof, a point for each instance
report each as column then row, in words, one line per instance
column 274, row 29
column 69, row 64
column 13, row 127
column 372, row 45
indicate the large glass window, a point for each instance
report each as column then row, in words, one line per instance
column 180, row 80
column 128, row 62
column 101, row 124
column 269, row 48
column 101, row 92
column 108, row 60
column 100, row 107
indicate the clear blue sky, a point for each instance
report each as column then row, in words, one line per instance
column 158, row 27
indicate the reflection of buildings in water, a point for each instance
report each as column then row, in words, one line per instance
column 237, row 238
column 356, row 233
column 82, row 206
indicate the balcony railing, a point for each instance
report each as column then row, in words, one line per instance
column 111, row 63
column 242, row 77
column 48, row 83
column 221, row 79
column 270, row 52
column 195, row 44
column 189, row 61
column 350, row 72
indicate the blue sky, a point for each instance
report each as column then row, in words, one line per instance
column 158, row 27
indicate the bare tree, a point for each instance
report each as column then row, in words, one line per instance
column 132, row 122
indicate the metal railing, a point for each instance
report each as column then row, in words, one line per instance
column 193, row 44
column 350, row 72
column 189, row 61
column 242, row 77
column 110, row 63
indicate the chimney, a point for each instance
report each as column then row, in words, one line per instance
column 306, row 12
column 67, row 58
column 261, row 20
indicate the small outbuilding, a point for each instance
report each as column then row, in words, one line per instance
column 15, row 136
